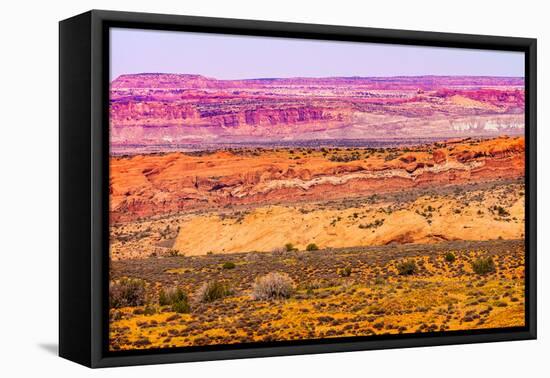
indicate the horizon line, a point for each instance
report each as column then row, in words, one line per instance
column 316, row 77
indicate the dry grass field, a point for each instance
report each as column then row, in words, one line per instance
column 335, row 293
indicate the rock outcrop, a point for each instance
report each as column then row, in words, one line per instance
column 147, row 185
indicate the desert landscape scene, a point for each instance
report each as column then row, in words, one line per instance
column 275, row 190
column 301, row 208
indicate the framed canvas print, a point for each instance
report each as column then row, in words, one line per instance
column 233, row 188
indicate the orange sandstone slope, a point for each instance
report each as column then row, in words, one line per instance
column 148, row 185
column 268, row 228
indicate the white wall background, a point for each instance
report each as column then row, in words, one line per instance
column 29, row 188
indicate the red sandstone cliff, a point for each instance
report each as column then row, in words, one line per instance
column 147, row 185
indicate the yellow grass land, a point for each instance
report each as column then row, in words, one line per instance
column 373, row 300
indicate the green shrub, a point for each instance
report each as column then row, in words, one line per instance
column 289, row 247
column 163, row 299
column 211, row 291
column 450, row 257
column 173, row 253
column 273, row 286
column 127, row 292
column 176, row 298
column 501, row 211
column 149, row 309
column 171, row 296
column 228, row 265
column 406, row 268
column 377, row 223
column 345, row 272
column 312, row 247
column 181, row 307
column 483, row 265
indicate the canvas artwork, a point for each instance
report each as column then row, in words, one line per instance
column 272, row 190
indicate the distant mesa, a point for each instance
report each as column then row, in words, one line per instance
column 163, row 110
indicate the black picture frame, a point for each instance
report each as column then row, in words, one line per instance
column 83, row 182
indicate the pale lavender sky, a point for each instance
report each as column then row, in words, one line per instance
column 247, row 57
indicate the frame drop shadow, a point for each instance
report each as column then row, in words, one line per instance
column 52, row 348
